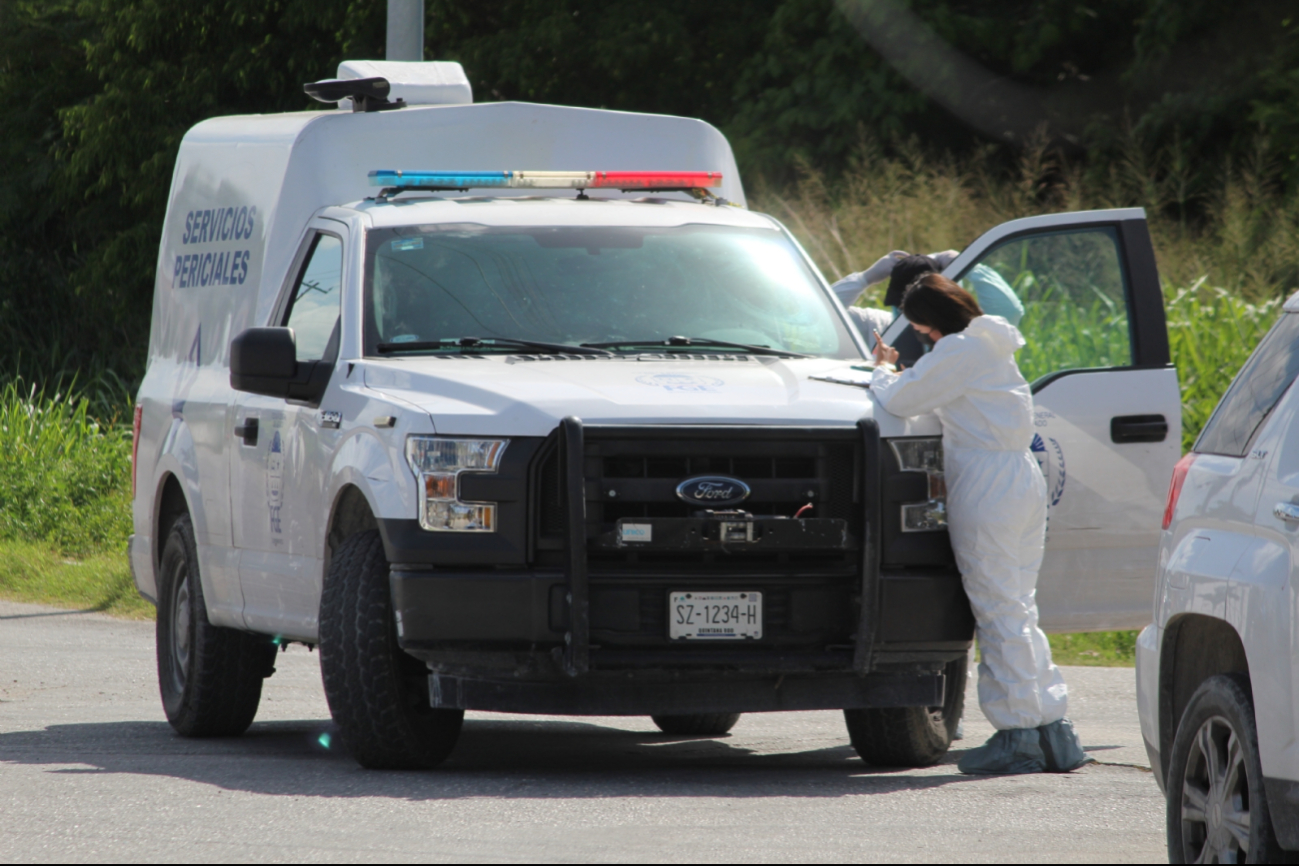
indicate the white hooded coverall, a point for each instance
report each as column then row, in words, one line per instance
column 996, row 508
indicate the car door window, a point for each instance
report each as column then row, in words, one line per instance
column 1255, row 392
column 316, row 300
column 1072, row 289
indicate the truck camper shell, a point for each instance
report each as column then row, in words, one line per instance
column 245, row 187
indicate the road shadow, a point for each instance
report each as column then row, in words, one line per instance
column 527, row 759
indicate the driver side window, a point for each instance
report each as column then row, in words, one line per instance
column 1072, row 289
column 317, row 299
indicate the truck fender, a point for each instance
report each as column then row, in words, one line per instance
column 378, row 470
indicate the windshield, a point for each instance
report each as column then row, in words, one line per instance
column 602, row 285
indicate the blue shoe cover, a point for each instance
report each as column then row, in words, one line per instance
column 1062, row 748
column 1017, row 750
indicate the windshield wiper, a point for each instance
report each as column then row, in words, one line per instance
column 686, row 342
column 479, row 343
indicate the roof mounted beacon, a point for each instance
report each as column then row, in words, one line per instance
column 432, row 82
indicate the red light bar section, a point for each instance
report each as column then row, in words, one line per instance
column 655, row 179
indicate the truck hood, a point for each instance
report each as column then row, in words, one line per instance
column 524, row 396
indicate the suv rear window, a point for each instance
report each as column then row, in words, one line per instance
column 1254, row 393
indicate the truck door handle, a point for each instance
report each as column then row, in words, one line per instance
column 1138, row 428
column 1287, row 511
column 247, row 431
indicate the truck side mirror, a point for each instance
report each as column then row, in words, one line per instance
column 263, row 361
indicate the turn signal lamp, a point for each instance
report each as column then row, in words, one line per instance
column 438, row 464
column 626, row 181
column 1175, row 486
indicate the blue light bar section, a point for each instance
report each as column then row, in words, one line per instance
column 442, row 179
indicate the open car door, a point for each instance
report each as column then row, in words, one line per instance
column 1106, row 401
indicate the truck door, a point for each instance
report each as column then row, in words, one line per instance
column 280, row 460
column 1108, row 420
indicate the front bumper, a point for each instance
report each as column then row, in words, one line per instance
column 582, row 627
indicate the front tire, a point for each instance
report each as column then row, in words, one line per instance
column 910, row 736
column 210, row 677
column 378, row 695
column 697, row 724
column 1217, row 808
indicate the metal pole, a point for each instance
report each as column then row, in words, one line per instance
column 405, row 30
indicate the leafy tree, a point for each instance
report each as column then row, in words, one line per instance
column 96, row 95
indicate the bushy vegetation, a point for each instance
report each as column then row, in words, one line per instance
column 95, row 96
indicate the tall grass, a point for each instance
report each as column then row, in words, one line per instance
column 64, row 474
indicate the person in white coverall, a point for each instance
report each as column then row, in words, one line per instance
column 901, row 269
column 996, row 511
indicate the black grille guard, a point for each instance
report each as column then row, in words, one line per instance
column 573, row 435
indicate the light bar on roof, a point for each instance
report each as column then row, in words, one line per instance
column 621, row 180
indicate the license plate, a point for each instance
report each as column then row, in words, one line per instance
column 714, row 615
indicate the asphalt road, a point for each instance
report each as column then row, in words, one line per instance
column 89, row 770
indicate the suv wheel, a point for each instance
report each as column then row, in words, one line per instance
column 910, row 736
column 697, row 724
column 210, row 677
column 378, row 695
column 1217, row 809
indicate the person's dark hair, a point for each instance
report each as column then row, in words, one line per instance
column 906, row 272
column 936, row 302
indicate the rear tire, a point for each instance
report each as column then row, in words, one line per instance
column 210, row 677
column 378, row 695
column 697, row 724
column 910, row 736
column 1217, row 807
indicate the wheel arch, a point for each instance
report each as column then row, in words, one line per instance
column 1195, row 647
column 350, row 513
column 170, row 504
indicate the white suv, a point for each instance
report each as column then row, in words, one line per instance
column 1215, row 671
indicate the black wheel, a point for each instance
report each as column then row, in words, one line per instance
column 210, row 677
column 910, row 736
column 377, row 694
column 1217, row 809
column 697, row 724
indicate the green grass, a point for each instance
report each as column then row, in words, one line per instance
column 64, row 476
column 32, row 572
column 65, row 501
column 1107, row 648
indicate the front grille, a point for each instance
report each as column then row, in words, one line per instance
column 631, row 476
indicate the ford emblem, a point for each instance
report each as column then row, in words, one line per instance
column 713, row 490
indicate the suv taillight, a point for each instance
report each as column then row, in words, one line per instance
column 1175, row 486
column 135, row 443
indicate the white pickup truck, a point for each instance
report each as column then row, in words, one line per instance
column 517, row 407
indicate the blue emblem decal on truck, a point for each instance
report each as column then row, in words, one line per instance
column 275, row 485
column 1050, row 458
column 713, row 490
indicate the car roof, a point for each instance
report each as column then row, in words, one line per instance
column 567, row 210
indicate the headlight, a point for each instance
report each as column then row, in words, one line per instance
column 437, row 464
column 923, row 455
